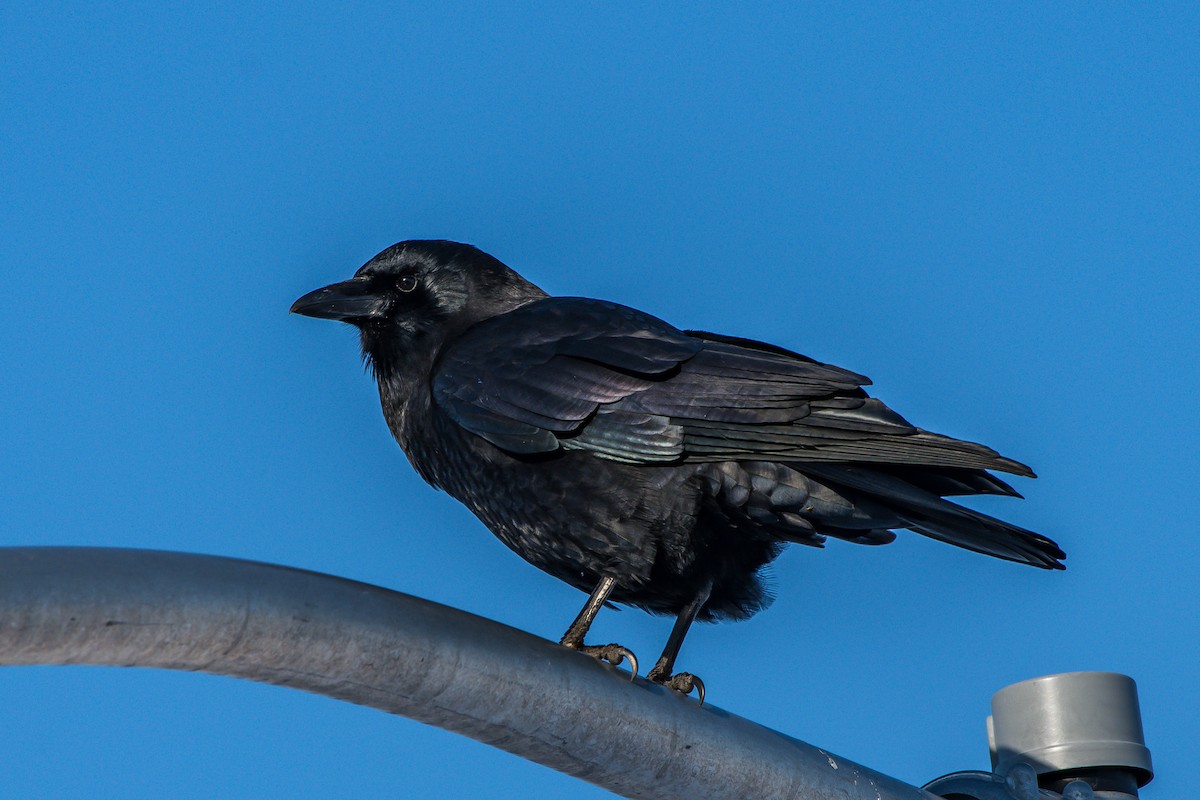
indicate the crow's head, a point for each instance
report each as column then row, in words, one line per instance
column 416, row 295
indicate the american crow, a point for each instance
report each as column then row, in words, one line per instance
column 644, row 464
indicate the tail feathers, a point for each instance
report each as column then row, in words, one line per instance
column 974, row 531
column 932, row 516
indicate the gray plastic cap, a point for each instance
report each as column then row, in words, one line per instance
column 1069, row 721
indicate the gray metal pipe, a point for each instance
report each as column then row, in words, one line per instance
column 407, row 656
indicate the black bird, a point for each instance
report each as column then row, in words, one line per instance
column 644, row 464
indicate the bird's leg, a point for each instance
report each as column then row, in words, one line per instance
column 682, row 682
column 573, row 638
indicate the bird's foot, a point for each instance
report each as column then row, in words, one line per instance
column 614, row 654
column 682, row 682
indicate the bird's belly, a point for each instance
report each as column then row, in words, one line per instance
column 573, row 515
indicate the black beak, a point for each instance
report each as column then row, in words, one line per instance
column 352, row 301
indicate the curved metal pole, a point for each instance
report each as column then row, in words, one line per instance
column 404, row 655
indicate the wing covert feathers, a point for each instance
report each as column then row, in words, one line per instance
column 591, row 375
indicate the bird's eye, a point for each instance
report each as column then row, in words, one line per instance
column 407, row 283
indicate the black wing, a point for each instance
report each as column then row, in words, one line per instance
column 587, row 374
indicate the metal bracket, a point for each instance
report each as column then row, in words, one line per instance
column 1019, row 784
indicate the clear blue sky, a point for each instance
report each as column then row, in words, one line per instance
column 994, row 214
